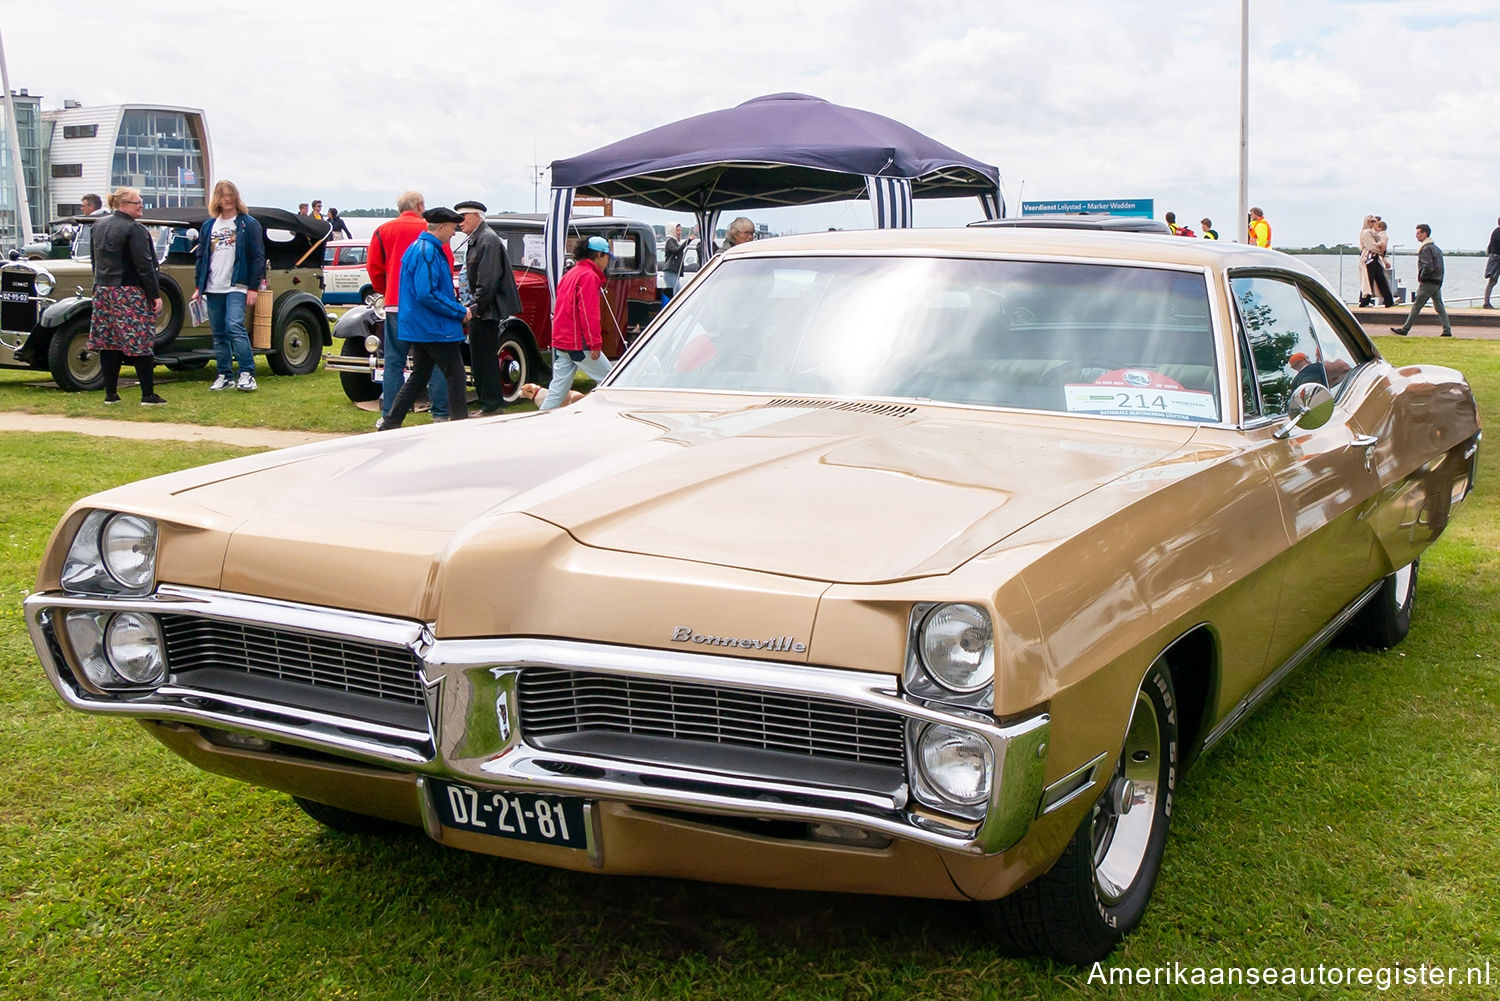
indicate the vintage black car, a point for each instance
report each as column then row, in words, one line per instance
column 525, row 339
column 45, row 305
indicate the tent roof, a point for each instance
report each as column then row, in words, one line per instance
column 781, row 149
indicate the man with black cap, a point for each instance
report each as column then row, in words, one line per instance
column 492, row 288
column 432, row 321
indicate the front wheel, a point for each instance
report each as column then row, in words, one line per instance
column 296, row 346
column 74, row 367
column 1385, row 619
column 347, row 821
column 358, row 386
column 1097, row 891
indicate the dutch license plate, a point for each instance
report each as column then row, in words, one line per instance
column 522, row 816
column 377, row 374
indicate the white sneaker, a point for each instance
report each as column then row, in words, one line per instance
column 222, row 382
column 246, row 383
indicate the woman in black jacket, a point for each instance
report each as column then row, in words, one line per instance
column 127, row 296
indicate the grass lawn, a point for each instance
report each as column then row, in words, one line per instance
column 1350, row 822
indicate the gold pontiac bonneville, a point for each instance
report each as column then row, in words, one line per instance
column 915, row 562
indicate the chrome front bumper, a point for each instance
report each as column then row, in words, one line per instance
column 473, row 731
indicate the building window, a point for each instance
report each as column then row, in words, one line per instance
column 67, row 170
column 69, row 208
column 80, row 131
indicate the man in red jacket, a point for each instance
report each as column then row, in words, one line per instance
column 576, row 321
column 384, row 268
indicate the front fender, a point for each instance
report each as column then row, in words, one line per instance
column 63, row 310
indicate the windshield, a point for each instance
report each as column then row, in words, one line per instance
column 1072, row 338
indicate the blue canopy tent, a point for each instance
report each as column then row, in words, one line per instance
column 782, row 149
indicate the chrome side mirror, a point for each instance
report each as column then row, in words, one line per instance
column 1310, row 407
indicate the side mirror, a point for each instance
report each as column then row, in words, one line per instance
column 1310, row 407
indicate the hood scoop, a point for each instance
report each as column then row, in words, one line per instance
column 879, row 409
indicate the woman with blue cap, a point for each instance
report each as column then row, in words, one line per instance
column 577, row 328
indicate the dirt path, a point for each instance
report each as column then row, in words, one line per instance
column 153, row 431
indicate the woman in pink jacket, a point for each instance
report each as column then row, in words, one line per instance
column 577, row 328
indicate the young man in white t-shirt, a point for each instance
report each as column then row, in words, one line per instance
column 231, row 265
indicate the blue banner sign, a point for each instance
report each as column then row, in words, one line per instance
column 1093, row 206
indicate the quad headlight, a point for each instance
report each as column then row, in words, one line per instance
column 112, row 554
column 119, row 650
column 954, row 768
column 957, row 645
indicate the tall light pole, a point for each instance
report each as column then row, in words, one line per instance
column 1244, row 215
column 23, row 211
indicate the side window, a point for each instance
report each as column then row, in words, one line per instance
column 353, row 255
column 1339, row 357
column 1283, row 350
column 329, row 254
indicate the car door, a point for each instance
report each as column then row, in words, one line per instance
column 1324, row 477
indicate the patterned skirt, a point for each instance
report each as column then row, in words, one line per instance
column 122, row 321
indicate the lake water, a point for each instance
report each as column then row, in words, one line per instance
column 1462, row 276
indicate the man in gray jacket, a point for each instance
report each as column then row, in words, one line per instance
column 1429, row 282
column 492, row 286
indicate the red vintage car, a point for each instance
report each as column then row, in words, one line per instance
column 525, row 339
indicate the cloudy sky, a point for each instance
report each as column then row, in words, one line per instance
column 1386, row 107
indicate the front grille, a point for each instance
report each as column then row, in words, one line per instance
column 562, row 702
column 324, row 662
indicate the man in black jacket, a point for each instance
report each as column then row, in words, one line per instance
column 1429, row 282
column 492, row 286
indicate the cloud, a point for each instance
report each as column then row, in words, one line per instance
column 1355, row 106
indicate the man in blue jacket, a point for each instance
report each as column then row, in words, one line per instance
column 231, row 265
column 432, row 321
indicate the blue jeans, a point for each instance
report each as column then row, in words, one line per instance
column 226, row 318
column 395, row 373
column 564, row 364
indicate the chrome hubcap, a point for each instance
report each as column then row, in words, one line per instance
column 1126, row 813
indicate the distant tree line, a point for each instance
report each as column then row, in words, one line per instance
column 369, row 213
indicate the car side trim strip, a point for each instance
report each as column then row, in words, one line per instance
column 1258, row 695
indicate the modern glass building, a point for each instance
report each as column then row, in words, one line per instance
column 77, row 149
column 163, row 151
column 31, row 131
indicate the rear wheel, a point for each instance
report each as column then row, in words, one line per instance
column 1385, row 619
column 347, row 821
column 358, row 386
column 1097, row 891
column 296, row 345
column 74, row 367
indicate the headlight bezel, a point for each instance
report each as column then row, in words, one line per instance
column 87, row 565
column 925, row 680
column 930, row 788
column 92, row 635
column 43, row 283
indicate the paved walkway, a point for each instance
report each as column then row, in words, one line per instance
column 157, row 431
column 1474, row 324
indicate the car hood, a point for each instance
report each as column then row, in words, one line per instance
column 836, row 492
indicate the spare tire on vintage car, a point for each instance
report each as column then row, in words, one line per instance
column 173, row 309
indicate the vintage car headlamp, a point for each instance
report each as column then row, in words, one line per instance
column 120, row 650
column 112, row 554
column 86, row 635
column 133, row 644
column 43, row 282
column 372, row 343
column 955, row 764
column 957, row 645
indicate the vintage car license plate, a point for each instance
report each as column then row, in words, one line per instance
column 523, row 816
